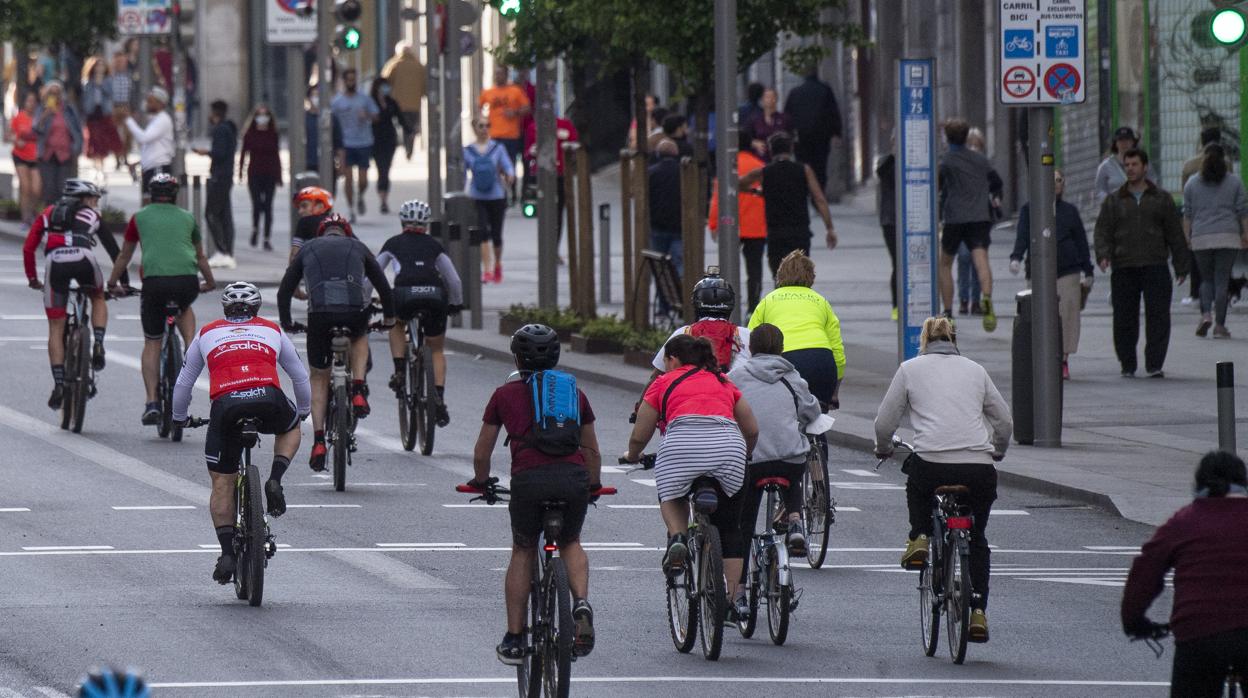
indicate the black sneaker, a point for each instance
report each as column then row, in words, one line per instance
column 444, row 417
column 511, row 650
column 677, row 553
column 57, row 397
column 151, row 414
column 275, row 498
column 97, row 356
column 796, row 540
column 583, row 617
column 396, row 384
column 224, row 571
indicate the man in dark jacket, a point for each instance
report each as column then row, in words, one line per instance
column 217, row 210
column 816, row 117
column 1137, row 230
column 665, row 218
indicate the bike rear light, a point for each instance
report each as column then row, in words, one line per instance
column 550, row 547
column 959, row 523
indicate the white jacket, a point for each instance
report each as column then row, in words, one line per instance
column 957, row 413
column 155, row 141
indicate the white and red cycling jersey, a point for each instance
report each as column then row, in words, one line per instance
column 241, row 355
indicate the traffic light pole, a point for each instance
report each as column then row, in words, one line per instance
column 1046, row 356
column 179, row 93
column 433, row 136
column 297, row 129
column 726, row 148
column 547, row 184
column 324, row 93
column 453, row 99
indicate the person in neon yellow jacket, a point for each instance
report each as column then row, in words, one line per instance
column 812, row 332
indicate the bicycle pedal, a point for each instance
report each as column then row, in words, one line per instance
column 351, row 446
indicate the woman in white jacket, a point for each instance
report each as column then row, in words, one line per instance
column 961, row 426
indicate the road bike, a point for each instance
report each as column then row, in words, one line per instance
column 696, row 594
column 254, row 543
column 171, row 356
column 770, row 579
column 418, row 398
column 945, row 577
column 818, row 506
column 79, row 373
column 1235, row 686
column 340, row 419
column 549, row 637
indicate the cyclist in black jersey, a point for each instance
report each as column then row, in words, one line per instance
column 424, row 279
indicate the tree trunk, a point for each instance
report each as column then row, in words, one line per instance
column 641, row 87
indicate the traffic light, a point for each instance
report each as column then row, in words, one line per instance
column 1228, row 26
column 508, row 8
column 528, row 197
column 347, row 12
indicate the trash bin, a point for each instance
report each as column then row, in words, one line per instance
column 1020, row 372
column 459, row 208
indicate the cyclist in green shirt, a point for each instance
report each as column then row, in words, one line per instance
column 173, row 258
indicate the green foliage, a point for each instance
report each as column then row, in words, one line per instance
column 114, row 216
column 563, row 319
column 609, row 328
column 10, row 209
column 650, row 340
column 79, row 24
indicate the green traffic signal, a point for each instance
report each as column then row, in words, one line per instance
column 1228, row 26
column 351, row 38
column 509, row 8
column 529, row 209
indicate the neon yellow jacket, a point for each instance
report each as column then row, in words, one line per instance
column 806, row 319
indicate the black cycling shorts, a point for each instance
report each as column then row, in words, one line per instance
column 222, row 448
column 159, row 291
column 529, row 488
column 975, row 235
column 320, row 337
column 431, row 300
column 69, row 264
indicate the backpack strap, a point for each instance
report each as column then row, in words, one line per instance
column 668, row 393
column 797, row 405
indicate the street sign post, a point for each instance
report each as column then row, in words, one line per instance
column 1042, row 56
column 144, row 17
column 287, row 23
column 916, row 201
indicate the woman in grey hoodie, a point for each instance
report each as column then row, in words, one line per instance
column 783, row 406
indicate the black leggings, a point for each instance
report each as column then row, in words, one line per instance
column 490, row 214
column 753, row 249
column 1200, row 665
column 754, row 495
column 261, row 188
column 384, row 156
column 890, row 240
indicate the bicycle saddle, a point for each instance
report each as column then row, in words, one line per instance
column 248, row 431
column 953, row 489
column 705, row 495
column 781, row 482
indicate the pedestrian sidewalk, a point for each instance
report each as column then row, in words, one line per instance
column 1129, row 445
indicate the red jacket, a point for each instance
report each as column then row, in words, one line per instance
column 751, row 223
column 565, row 132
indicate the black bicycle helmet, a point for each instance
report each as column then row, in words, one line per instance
column 713, row 297
column 164, row 187
column 110, row 683
column 536, row 347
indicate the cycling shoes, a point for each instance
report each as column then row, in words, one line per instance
column 57, row 397
column 275, row 498
column 396, row 383
column 151, row 414
column 359, row 404
column 318, row 456
column 97, row 357
column 511, row 650
column 224, row 572
column 583, row 617
column 443, row 416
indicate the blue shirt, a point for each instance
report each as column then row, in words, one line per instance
column 355, row 113
column 502, row 164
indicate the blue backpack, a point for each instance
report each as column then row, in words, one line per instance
column 484, row 171
column 557, row 413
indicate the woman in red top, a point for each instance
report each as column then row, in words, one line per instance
column 708, row 430
column 25, row 156
column 264, row 173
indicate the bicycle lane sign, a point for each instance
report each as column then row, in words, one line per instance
column 1041, row 56
column 1019, row 82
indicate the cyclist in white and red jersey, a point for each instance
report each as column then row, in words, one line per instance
column 242, row 352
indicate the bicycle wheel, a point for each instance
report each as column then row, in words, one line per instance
column 957, row 600
column 241, row 578
column 529, row 671
column 342, row 436
column 256, row 542
column 816, row 508
column 929, row 607
column 80, row 388
column 71, row 370
column 407, row 408
column 557, row 650
column 682, row 619
column 779, row 602
column 711, row 601
column 747, row 624
column 428, row 396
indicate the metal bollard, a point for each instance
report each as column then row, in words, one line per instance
column 1226, row 406
column 455, row 250
column 197, row 211
column 475, row 238
column 604, row 253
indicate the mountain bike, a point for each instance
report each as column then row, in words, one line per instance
column 547, row 666
column 1235, row 685
column 696, row 595
column 171, row 355
column 770, row 580
column 818, row 506
column 418, row 399
column 79, row 374
column 254, row 543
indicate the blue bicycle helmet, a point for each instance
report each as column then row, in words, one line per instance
column 110, row 683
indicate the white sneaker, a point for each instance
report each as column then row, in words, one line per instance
column 1187, row 300
column 227, row 262
column 215, row 260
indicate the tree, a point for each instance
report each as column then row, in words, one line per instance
column 79, row 25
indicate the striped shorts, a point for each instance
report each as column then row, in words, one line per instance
column 695, row 446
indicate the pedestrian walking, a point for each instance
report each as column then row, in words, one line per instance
column 816, row 120
column 123, row 90
column 663, row 178
column 886, row 195
column 264, row 172
column 491, row 173
column 357, row 112
column 505, row 106
column 406, row 75
column 155, row 139
column 750, row 107
column 311, row 124
column 751, row 223
column 26, row 157
column 97, row 106
column 1215, row 222
column 1137, row 230
column 672, row 127
column 1112, row 173
column 1191, row 167
column 789, row 188
column 967, row 185
column 770, row 120
column 59, row 130
column 1074, row 265
column 385, row 137
column 652, row 103
column 218, row 210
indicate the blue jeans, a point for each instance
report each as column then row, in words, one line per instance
column 669, row 243
column 968, row 278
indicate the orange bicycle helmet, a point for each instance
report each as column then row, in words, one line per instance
column 335, row 220
column 315, row 194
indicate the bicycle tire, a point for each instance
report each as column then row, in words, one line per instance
column 779, row 603
column 747, row 625
column 682, row 618
column 557, row 654
column 929, row 609
column 711, row 594
column 816, row 508
column 529, row 671
column 82, row 377
column 428, row 397
column 407, row 406
column 958, row 601
column 342, row 436
column 256, row 542
column 171, row 380
column 71, row 370
column 241, row 578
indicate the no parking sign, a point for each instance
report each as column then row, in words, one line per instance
column 1042, row 41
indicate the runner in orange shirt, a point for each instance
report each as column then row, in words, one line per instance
column 507, row 106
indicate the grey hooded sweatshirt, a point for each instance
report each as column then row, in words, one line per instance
column 782, row 418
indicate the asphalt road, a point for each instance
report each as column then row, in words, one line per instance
column 393, row 588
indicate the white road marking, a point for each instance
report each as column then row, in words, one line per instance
column 669, row 680
column 358, row 484
column 632, row 506
column 1111, row 548
column 49, row 692
column 840, row 509
column 324, row 506
column 1081, row 580
column 615, row 469
column 866, row 486
column 622, row 545
column 10, row 693
column 390, row 442
column 422, row 545
column 643, row 481
column 396, row 572
column 1010, row 512
column 474, row 506
column 163, row 507
column 9, row 510
column 38, row 548
column 23, row 317
column 323, row 476
column 860, row 473
column 137, row 364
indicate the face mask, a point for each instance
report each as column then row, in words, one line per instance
column 262, row 120
column 385, row 89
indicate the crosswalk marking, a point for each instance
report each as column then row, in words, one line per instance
column 324, row 506
column 644, row 481
column 51, row 548
column 163, row 507
column 632, row 506
column 860, row 473
column 8, row 510
column 855, row 485
column 1010, row 512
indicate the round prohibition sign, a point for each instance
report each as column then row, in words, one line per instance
column 1061, row 79
column 1019, row 82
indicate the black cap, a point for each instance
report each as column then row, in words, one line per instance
column 1125, row 132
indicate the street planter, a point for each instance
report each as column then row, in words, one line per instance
column 594, row 345
column 639, row 358
column 508, row 324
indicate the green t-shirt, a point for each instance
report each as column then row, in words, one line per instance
column 805, row 318
column 169, row 237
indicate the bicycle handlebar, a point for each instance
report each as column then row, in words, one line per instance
column 646, row 461
column 1153, row 637
column 897, row 443
column 194, row 423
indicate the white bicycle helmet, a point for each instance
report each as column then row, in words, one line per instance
column 241, row 299
column 415, row 212
column 81, row 188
